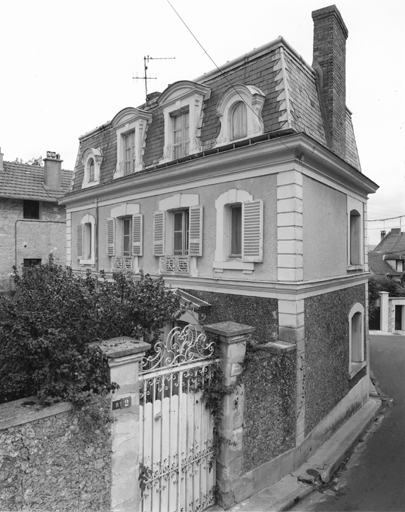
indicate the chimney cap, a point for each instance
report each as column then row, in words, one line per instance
column 52, row 155
column 325, row 12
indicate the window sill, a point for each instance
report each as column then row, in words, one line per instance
column 87, row 262
column 91, row 184
column 233, row 264
column 356, row 367
column 355, row 267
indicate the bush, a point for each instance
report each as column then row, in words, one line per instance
column 47, row 324
column 382, row 284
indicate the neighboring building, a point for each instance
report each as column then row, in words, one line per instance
column 388, row 257
column 244, row 189
column 32, row 224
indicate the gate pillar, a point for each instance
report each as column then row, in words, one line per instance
column 124, row 354
column 231, row 339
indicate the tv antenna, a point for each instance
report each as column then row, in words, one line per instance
column 145, row 66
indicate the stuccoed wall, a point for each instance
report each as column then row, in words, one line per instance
column 259, row 312
column 327, row 351
column 269, row 415
column 50, row 464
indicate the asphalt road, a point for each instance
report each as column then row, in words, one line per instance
column 374, row 477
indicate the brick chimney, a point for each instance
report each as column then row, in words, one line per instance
column 330, row 34
column 53, row 171
column 1, row 161
column 383, row 233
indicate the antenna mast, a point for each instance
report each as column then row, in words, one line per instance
column 145, row 66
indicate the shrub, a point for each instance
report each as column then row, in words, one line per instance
column 377, row 284
column 53, row 315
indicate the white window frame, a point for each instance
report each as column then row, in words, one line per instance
column 88, row 220
column 355, row 206
column 127, row 121
column 224, row 260
column 97, row 156
column 181, row 96
column 253, row 98
column 357, row 363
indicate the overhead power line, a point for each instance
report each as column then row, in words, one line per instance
column 387, row 218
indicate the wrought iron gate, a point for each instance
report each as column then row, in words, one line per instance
column 177, row 466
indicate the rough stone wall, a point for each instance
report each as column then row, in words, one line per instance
column 50, row 465
column 259, row 312
column 269, row 414
column 22, row 238
column 327, row 351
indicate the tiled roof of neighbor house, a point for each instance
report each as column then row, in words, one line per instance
column 379, row 267
column 25, row 181
column 393, row 244
column 291, row 106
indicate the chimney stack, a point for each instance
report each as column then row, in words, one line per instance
column 1, row 161
column 53, row 171
column 329, row 61
column 383, row 233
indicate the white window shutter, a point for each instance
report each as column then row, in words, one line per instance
column 80, row 241
column 137, row 234
column 159, row 233
column 252, row 231
column 110, row 236
column 195, row 231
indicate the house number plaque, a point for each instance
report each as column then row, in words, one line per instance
column 121, row 404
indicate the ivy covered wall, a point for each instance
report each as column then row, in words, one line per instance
column 53, row 463
column 269, row 415
column 327, row 351
column 259, row 312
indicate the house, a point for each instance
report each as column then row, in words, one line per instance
column 388, row 257
column 32, row 224
column 244, row 189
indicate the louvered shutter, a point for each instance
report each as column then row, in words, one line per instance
column 137, row 234
column 80, row 241
column 252, row 231
column 110, row 236
column 159, row 233
column 195, row 231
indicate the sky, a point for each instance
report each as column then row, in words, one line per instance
column 67, row 67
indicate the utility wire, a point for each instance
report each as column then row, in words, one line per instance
column 387, row 218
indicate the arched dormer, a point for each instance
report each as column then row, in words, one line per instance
column 240, row 111
column 182, row 104
column 91, row 159
column 130, row 125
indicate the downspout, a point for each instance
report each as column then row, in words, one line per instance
column 96, row 234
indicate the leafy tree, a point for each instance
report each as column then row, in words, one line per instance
column 47, row 324
column 377, row 284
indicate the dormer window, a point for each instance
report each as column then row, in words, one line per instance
column 238, row 121
column 182, row 105
column 240, row 113
column 92, row 159
column 131, row 125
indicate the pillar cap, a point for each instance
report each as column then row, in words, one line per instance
column 121, row 346
column 229, row 329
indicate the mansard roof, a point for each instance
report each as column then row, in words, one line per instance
column 291, row 106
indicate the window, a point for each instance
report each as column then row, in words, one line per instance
column 356, row 339
column 30, row 209
column 240, row 111
column 236, row 230
column 355, row 237
column 92, row 159
column 238, row 121
column 182, row 104
column 31, row 262
column 86, row 240
column 128, row 153
column 181, row 140
column 400, row 266
column 239, row 234
column 130, row 125
column 124, row 236
column 181, row 233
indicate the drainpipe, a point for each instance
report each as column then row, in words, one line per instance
column 96, row 236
